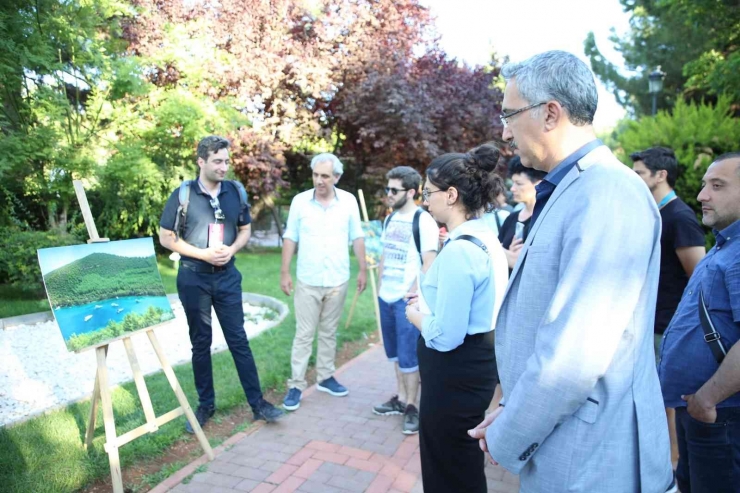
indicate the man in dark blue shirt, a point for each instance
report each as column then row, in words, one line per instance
column 705, row 392
column 215, row 229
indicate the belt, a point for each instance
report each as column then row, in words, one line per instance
column 206, row 269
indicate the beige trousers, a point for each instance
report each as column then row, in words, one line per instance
column 315, row 307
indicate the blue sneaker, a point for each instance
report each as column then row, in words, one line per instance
column 292, row 399
column 331, row 386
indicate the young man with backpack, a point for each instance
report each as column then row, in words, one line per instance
column 410, row 243
column 207, row 222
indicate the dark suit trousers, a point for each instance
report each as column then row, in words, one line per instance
column 222, row 290
column 457, row 388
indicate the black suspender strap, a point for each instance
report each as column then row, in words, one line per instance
column 711, row 336
column 474, row 241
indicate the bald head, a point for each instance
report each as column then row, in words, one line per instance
column 720, row 193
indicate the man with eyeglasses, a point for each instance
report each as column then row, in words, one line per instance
column 409, row 247
column 581, row 408
column 215, row 229
column 322, row 222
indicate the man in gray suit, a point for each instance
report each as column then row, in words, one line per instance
column 582, row 407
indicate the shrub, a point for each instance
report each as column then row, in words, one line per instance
column 697, row 133
column 19, row 264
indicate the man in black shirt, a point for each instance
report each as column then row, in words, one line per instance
column 215, row 228
column 681, row 243
column 682, row 238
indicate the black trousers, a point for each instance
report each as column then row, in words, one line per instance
column 199, row 291
column 457, row 389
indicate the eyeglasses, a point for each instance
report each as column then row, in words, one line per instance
column 426, row 193
column 394, row 191
column 505, row 117
column 217, row 212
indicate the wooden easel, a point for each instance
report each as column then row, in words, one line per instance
column 371, row 269
column 102, row 391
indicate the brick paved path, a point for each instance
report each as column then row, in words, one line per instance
column 329, row 445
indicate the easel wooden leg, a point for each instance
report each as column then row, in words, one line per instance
column 146, row 402
column 111, row 440
column 374, row 285
column 371, row 268
column 180, row 395
column 90, row 434
column 352, row 309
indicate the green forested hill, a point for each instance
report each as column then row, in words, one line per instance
column 101, row 276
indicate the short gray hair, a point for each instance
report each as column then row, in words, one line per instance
column 558, row 76
column 336, row 164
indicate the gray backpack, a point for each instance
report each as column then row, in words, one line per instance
column 184, row 199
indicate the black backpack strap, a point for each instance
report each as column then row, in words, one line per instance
column 711, row 336
column 183, row 197
column 498, row 220
column 417, row 233
column 474, row 241
column 243, row 200
column 388, row 219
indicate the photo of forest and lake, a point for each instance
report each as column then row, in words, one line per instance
column 101, row 291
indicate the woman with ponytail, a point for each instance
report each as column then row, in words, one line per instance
column 456, row 312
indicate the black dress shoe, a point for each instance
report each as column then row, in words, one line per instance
column 267, row 411
column 202, row 414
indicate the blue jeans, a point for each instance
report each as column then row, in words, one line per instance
column 199, row 291
column 399, row 335
column 709, row 454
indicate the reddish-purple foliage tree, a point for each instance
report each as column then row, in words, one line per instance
column 344, row 71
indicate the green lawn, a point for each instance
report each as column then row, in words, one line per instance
column 14, row 301
column 46, row 454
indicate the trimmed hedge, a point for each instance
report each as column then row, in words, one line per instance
column 19, row 265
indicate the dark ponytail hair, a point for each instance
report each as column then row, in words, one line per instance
column 472, row 174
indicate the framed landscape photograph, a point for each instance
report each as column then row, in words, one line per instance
column 101, row 291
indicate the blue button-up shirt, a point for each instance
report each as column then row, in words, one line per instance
column 323, row 235
column 687, row 362
column 464, row 288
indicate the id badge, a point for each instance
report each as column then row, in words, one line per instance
column 215, row 235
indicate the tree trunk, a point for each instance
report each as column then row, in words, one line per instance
column 278, row 223
column 63, row 217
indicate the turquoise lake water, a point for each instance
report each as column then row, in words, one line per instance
column 71, row 320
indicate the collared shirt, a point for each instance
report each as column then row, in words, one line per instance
column 687, row 361
column 323, row 235
column 463, row 288
column 548, row 184
column 201, row 214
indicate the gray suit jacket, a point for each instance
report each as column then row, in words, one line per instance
column 574, row 341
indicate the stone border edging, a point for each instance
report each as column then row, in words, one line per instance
column 28, row 319
column 41, row 317
column 172, row 481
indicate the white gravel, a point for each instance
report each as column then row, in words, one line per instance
column 37, row 373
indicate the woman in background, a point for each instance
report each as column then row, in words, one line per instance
column 459, row 299
column 523, row 182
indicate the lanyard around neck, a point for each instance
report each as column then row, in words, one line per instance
column 205, row 190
